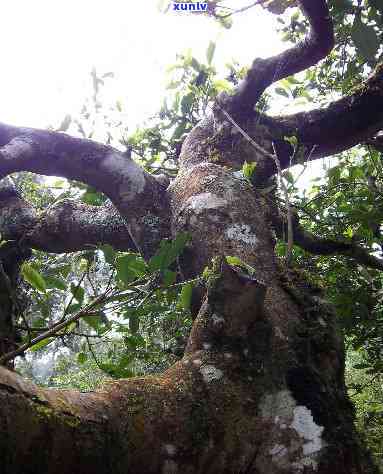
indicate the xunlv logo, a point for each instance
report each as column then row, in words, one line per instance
column 190, row 7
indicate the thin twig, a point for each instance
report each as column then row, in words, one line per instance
column 241, row 10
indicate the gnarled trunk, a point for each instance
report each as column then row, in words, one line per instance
column 260, row 388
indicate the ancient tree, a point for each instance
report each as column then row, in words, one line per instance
column 260, row 387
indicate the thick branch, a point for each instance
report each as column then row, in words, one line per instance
column 136, row 194
column 343, row 124
column 265, row 72
column 319, row 246
column 67, row 226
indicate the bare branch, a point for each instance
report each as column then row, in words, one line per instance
column 67, row 226
column 319, row 246
column 343, row 124
column 265, row 72
column 138, row 196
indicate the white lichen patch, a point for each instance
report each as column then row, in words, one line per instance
column 210, row 373
column 302, row 442
column 129, row 175
column 170, row 449
column 204, row 201
column 217, row 320
column 242, row 233
column 303, row 423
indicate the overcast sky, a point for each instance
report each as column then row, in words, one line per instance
column 49, row 48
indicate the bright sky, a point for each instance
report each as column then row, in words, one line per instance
column 49, row 48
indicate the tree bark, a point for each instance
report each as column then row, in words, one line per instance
column 260, row 388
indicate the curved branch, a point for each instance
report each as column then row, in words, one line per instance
column 265, row 72
column 343, row 124
column 138, row 196
column 67, row 226
column 319, row 246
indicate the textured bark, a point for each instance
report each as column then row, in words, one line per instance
column 137, row 195
column 260, row 388
column 67, row 226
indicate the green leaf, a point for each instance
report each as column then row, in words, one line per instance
column 82, row 358
column 134, row 323
column 365, row 39
column 169, row 277
column 195, row 64
column 109, row 253
column 73, row 308
column 63, row 270
column 293, row 140
column 134, row 341
column 129, row 267
column 281, row 91
column 33, row 277
column 334, row 173
column 222, row 85
column 185, row 298
column 179, row 131
column 168, row 253
column 237, row 262
column 78, row 292
column 234, row 261
column 248, row 169
column 55, row 282
column 210, row 52
column 40, row 345
column 93, row 198
column 287, row 175
column 97, row 321
column 186, row 103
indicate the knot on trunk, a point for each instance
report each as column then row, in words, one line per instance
column 233, row 303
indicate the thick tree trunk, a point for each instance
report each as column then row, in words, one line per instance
column 260, row 388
